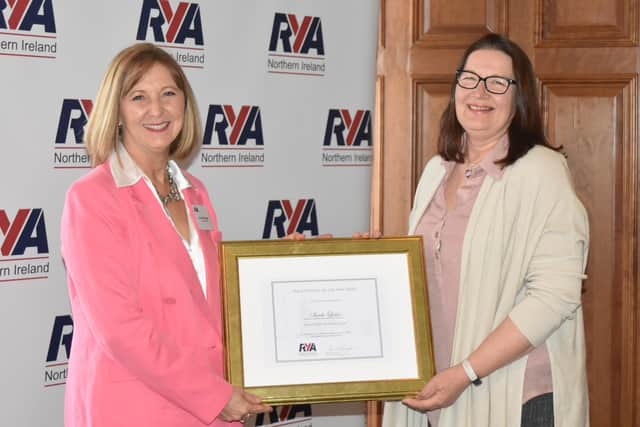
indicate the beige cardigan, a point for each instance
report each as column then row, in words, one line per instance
column 523, row 256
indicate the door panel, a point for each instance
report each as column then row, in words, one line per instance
column 457, row 23
column 593, row 23
column 589, row 117
column 431, row 97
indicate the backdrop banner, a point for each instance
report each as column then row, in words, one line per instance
column 285, row 90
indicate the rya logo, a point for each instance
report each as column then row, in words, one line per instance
column 168, row 25
column 74, row 115
column 348, row 131
column 306, row 347
column 285, row 413
column 27, row 230
column 289, row 35
column 227, row 126
column 285, row 219
column 55, row 372
column 61, row 336
column 23, row 15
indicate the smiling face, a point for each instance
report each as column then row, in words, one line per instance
column 152, row 113
column 485, row 116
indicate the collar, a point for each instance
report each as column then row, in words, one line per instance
column 126, row 172
column 498, row 152
column 487, row 164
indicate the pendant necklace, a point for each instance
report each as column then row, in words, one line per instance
column 173, row 194
column 468, row 170
column 468, row 166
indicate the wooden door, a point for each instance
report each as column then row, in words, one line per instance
column 586, row 56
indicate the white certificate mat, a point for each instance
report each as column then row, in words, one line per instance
column 325, row 315
column 326, row 319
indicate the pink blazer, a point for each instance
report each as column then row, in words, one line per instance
column 147, row 347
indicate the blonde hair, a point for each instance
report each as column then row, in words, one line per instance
column 124, row 71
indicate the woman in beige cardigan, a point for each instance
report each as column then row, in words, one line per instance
column 506, row 242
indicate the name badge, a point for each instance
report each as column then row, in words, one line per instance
column 202, row 217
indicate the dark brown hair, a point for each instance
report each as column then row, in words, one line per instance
column 525, row 129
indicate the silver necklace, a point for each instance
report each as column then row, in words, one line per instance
column 173, row 194
column 469, row 167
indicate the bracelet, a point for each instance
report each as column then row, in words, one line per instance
column 468, row 369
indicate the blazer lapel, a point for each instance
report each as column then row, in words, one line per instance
column 151, row 212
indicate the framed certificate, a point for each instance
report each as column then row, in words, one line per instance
column 326, row 320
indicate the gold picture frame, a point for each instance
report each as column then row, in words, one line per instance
column 326, row 320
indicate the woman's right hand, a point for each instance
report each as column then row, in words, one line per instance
column 242, row 405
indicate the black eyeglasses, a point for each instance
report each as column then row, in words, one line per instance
column 493, row 84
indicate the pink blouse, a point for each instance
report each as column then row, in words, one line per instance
column 443, row 233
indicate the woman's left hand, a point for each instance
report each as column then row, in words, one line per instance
column 441, row 391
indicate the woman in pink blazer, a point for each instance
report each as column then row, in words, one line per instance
column 139, row 241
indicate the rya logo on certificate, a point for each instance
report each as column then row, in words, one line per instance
column 307, row 347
